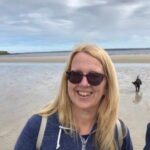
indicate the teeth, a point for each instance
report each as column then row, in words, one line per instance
column 81, row 93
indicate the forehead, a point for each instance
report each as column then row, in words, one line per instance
column 85, row 61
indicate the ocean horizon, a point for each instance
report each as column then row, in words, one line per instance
column 113, row 51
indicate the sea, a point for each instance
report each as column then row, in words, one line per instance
column 118, row 51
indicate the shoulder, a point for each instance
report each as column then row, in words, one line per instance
column 125, row 129
column 28, row 136
column 148, row 126
column 53, row 119
column 52, row 123
column 32, row 125
column 125, row 136
column 121, row 127
column 148, row 131
column 127, row 142
column 34, row 121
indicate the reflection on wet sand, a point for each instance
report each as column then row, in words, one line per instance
column 137, row 97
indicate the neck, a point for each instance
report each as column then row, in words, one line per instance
column 84, row 121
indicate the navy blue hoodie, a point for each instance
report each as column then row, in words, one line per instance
column 57, row 137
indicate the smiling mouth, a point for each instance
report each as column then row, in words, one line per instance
column 83, row 93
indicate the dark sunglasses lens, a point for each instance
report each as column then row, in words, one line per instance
column 74, row 77
column 95, row 78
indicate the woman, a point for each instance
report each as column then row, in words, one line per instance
column 85, row 112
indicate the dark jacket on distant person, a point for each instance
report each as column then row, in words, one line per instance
column 137, row 84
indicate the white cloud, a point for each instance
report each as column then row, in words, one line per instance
column 84, row 3
column 129, row 10
column 71, row 21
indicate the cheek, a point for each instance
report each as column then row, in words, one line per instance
column 101, row 89
column 70, row 88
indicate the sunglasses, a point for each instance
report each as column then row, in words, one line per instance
column 93, row 78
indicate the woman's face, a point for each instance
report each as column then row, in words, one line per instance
column 83, row 95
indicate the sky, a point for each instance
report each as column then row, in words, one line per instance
column 54, row 25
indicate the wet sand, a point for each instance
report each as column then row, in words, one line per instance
column 140, row 58
column 23, row 96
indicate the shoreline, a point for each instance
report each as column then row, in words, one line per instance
column 139, row 58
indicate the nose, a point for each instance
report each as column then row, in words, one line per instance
column 84, row 81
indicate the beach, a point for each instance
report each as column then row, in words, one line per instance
column 29, row 83
column 132, row 58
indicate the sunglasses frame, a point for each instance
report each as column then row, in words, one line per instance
column 91, row 79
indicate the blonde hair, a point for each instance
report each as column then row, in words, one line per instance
column 108, row 109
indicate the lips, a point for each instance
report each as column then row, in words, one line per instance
column 84, row 93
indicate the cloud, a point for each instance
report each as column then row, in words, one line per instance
column 66, row 22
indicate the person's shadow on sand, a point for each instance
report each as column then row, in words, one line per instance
column 137, row 97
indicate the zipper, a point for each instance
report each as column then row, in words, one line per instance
column 83, row 141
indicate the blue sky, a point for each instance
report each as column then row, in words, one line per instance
column 45, row 25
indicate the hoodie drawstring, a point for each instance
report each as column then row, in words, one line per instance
column 58, row 138
column 59, row 135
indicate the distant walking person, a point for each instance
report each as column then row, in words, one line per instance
column 147, row 145
column 137, row 84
